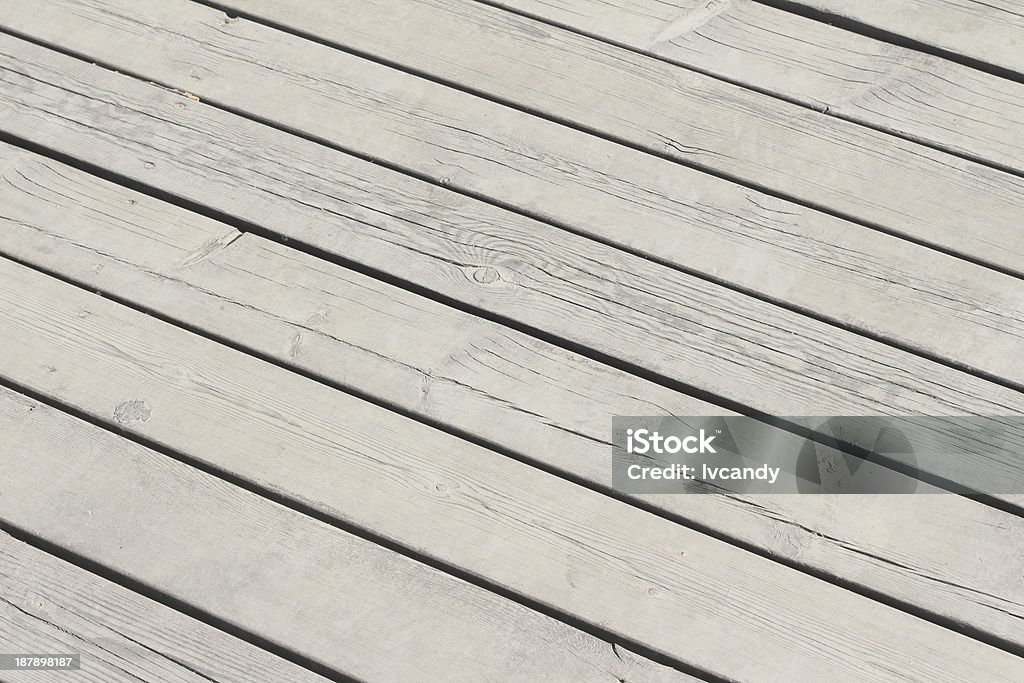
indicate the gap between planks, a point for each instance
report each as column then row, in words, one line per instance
column 844, row 274
column 370, row 198
column 278, row 307
column 890, row 88
column 52, row 606
column 592, row 558
column 281, row 576
column 988, row 36
column 738, row 120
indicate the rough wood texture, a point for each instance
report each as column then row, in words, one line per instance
column 50, row 606
column 990, row 31
column 844, row 74
column 835, row 269
column 683, row 115
column 577, row 289
column 585, row 554
column 337, row 599
column 580, row 290
column 510, row 389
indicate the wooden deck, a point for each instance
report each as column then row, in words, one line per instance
column 315, row 317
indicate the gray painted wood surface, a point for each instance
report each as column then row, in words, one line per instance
column 50, row 606
column 904, row 92
column 649, row 580
column 524, row 395
column 990, row 31
column 328, row 595
column 810, row 261
column 548, row 279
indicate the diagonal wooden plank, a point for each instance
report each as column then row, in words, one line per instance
column 895, row 89
column 335, row 598
column 580, row 291
column 989, row 31
column 512, row 390
column 606, row 563
column 51, row 606
column 685, row 116
column 812, row 262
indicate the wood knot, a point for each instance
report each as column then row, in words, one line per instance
column 486, row 275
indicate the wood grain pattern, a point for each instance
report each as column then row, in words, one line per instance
column 510, row 389
column 579, row 290
column 340, row 600
column 843, row 272
column 51, row 606
column 901, row 91
column 602, row 561
column 683, row 115
column 990, row 31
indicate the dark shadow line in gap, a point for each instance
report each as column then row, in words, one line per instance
column 159, row 596
column 310, row 511
column 604, row 358
column 746, row 85
column 800, row 310
column 779, row 423
column 885, row 36
column 384, row 163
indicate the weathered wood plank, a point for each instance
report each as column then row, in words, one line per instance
column 991, row 31
column 686, row 116
column 50, row 606
column 836, row 269
column 508, row 388
column 340, row 600
column 602, row 561
column 579, row 290
column 895, row 89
